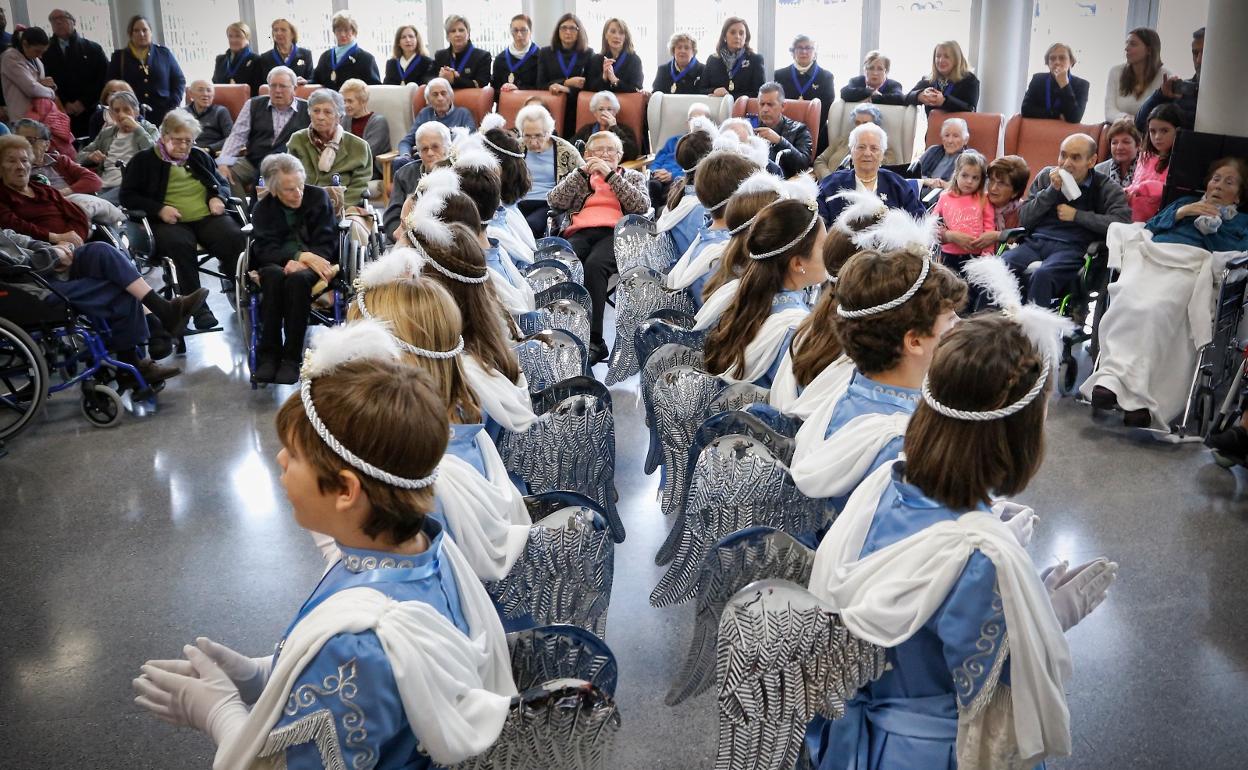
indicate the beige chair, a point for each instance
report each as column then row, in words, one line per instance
column 667, row 115
column 899, row 124
column 395, row 104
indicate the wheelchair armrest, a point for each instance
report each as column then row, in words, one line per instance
column 1011, row 235
column 236, row 201
column 344, row 225
column 247, row 229
column 640, row 164
column 136, row 215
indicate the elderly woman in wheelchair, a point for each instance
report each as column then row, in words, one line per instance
column 293, row 249
column 1159, row 315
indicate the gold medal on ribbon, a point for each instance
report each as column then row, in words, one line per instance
column 333, row 76
column 732, row 86
column 511, row 78
column 673, row 88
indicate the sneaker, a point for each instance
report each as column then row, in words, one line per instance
column 287, row 372
column 266, row 369
column 204, row 319
column 1137, row 418
column 1103, row 398
column 598, row 352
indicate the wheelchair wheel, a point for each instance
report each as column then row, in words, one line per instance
column 101, row 405
column 23, row 379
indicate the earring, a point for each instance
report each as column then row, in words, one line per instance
column 802, row 270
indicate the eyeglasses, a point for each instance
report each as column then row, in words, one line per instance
column 535, row 137
column 569, row 28
column 179, row 140
column 803, row 48
column 604, row 152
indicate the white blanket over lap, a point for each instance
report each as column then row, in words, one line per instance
column 506, row 402
column 456, row 689
column 832, row 466
column 1160, row 315
column 831, row 383
column 886, row 597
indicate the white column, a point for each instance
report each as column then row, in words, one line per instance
column 1222, row 108
column 1001, row 59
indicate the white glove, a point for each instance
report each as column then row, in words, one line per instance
column 206, row 700
column 249, row 675
column 1079, row 590
column 1021, row 519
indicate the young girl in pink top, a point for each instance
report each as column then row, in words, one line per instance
column 1149, row 181
column 966, row 214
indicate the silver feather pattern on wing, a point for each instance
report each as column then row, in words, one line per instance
column 569, row 316
column 554, row 652
column 565, row 724
column 782, row 657
column 638, row 245
column 736, row 484
column 736, row 561
column 563, row 576
column 550, row 356
column 737, row 397
column 680, row 397
column 639, row 294
column 542, row 278
column 665, row 358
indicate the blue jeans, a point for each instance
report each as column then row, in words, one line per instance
column 1060, row 264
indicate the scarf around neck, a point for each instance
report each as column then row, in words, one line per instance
column 328, row 149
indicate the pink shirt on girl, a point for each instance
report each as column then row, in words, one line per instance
column 970, row 214
column 1147, row 185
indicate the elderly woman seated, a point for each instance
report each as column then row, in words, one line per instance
column 837, row 154
column 597, row 196
column 867, row 145
column 1124, row 152
column 440, row 107
column 1159, row 312
column 215, row 121
column 177, row 185
column 332, row 158
column 606, row 107
column 433, row 146
column 359, row 120
column 294, row 247
column 33, row 207
column 550, row 160
column 934, row 168
column 61, row 172
column 127, row 136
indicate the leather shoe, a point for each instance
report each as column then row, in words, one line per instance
column 204, row 319
column 182, row 308
column 266, row 369
column 597, row 352
column 1137, row 418
column 154, row 372
column 1103, row 398
column 287, row 372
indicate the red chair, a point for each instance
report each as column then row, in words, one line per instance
column 985, row 128
column 231, row 96
column 632, row 114
column 303, row 91
column 478, row 101
column 1038, row 141
column 511, row 102
column 802, row 110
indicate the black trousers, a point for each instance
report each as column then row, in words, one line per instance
column 285, row 302
column 595, row 247
column 220, row 236
column 535, row 213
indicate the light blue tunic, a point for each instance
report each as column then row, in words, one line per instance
column 908, row 719
column 866, row 396
column 707, row 237
column 688, row 228
column 349, row 683
column 494, row 259
column 463, row 444
column 784, row 300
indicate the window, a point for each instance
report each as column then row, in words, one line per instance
column 703, row 20
column 490, row 21
column 95, row 21
column 379, row 19
column 643, row 23
column 1176, row 21
column 195, row 32
column 835, row 25
column 909, row 31
column 1086, row 28
column 310, row 17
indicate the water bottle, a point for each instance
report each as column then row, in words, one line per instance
column 260, row 191
column 336, row 180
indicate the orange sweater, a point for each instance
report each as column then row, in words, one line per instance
column 601, row 209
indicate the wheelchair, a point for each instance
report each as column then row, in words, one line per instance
column 47, row 348
column 1218, row 391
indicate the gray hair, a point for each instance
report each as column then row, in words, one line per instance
column 280, row 71
column 180, row 120
column 698, row 107
column 960, row 123
column 799, row 40
column 771, row 87
column 535, row 112
column 200, row 82
column 434, row 127
column 599, row 136
column 869, row 109
column 126, row 97
column 41, row 131
column 280, row 164
column 869, row 128
column 440, row 82
column 603, row 96
column 326, row 95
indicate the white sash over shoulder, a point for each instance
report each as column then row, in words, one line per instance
column 689, row 269
column 486, row 517
column 506, row 402
column 715, row 305
column 761, row 351
column 513, row 291
column 832, row 466
column 672, row 217
column 830, row 384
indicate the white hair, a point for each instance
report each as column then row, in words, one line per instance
column 434, row 127
column 440, row 82
column 280, row 164
column 598, row 136
column 603, row 96
column 535, row 112
column 960, row 123
column 869, row 128
column 180, row 120
column 280, row 71
column 328, row 96
column 698, row 107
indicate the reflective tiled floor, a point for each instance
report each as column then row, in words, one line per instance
column 122, row 545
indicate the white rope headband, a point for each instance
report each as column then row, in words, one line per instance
column 503, row 150
column 719, row 205
column 456, row 276
column 814, row 217
column 743, row 226
column 440, row 355
column 891, row 304
column 994, row 414
column 305, row 394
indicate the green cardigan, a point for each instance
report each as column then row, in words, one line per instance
column 353, row 164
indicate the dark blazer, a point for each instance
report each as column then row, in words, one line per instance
column 749, row 78
column 162, row 87
column 357, row 64
column 895, row 191
column 549, row 71
column 246, row 72
column 793, row 152
column 273, row 239
column 526, row 73
column 146, row 180
column 962, row 96
column 475, row 73
column 856, row 90
column 422, row 72
column 79, row 75
column 629, row 73
column 301, row 62
column 823, row 88
column 689, row 83
column 1045, row 100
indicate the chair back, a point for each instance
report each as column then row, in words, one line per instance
column 478, row 101
column 1039, row 140
column 303, row 91
column 511, row 102
column 668, row 114
column 231, row 96
column 1193, row 153
column 802, row 110
column 394, row 103
column 985, row 130
column 899, row 123
column 632, row 113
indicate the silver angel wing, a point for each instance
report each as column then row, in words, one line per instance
column 555, row 652
column 565, row 724
column 639, row 294
column 564, row 574
column 737, row 483
column 757, row 553
column 564, row 290
column 679, row 399
column 782, row 657
column 549, row 356
column 638, row 245
column 736, row 397
column 665, row 358
column 545, row 273
column 558, row 249
column 569, row 316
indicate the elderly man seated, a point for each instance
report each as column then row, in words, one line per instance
column 440, row 106
column 433, row 146
column 215, row 122
column 837, row 156
column 790, row 140
column 605, row 107
column 1070, row 206
column 934, row 168
column 264, row 126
